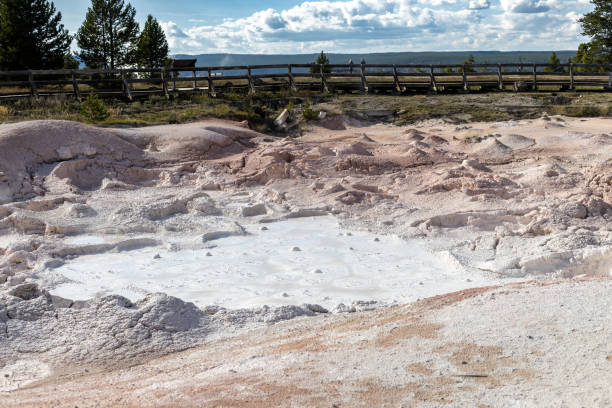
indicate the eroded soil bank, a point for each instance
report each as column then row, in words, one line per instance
column 488, row 204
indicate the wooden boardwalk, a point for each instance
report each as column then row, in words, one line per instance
column 368, row 78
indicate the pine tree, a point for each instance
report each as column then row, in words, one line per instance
column 554, row 64
column 470, row 61
column 321, row 60
column 597, row 25
column 108, row 34
column 70, row 62
column 152, row 46
column 31, row 35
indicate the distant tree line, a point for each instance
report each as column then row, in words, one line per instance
column 32, row 36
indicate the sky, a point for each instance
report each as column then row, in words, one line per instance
column 297, row 26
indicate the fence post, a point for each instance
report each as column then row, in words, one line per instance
column 535, row 77
column 364, row 82
column 466, row 87
column 126, row 86
column 396, row 82
column 291, row 79
column 195, row 81
column 32, row 84
column 432, row 78
column 164, row 82
column 323, row 81
column 251, row 84
column 500, row 77
column 571, row 72
column 610, row 79
column 173, row 74
column 75, row 86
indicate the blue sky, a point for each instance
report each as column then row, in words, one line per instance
column 294, row 26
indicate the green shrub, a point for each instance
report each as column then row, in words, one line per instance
column 94, row 109
column 308, row 113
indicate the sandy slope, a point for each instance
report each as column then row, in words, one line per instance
column 529, row 345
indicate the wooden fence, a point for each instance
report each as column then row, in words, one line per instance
column 367, row 78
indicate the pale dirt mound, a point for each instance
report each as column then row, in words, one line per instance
column 515, row 141
column 603, row 139
column 24, row 147
column 493, row 147
column 84, row 155
column 414, row 134
column 350, row 149
column 435, row 140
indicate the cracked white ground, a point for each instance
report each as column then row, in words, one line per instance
column 288, row 268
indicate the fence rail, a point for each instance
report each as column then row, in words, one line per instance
column 364, row 78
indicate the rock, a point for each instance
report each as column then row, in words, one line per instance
column 281, row 120
column 15, row 280
column 61, row 303
column 167, row 313
column 238, row 230
column 597, row 206
column 26, row 291
column 574, row 210
column 322, row 115
column 351, row 197
column 342, row 308
column 254, row 210
column 264, row 228
column 317, row 271
column 315, row 308
column 475, row 164
column 157, row 256
column 522, row 86
column 209, row 254
column 80, row 211
column 296, row 249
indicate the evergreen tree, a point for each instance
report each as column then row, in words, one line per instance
column 554, row 64
column 597, row 25
column 152, row 46
column 108, row 34
column 321, row 60
column 470, row 61
column 31, row 35
column 70, row 62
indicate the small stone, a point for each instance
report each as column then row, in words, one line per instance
column 296, row 249
column 157, row 256
column 317, row 271
column 285, row 295
column 208, row 254
column 349, row 234
column 264, row 228
column 376, row 239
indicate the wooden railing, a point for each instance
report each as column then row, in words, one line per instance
column 397, row 78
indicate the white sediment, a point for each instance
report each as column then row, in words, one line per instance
column 257, row 269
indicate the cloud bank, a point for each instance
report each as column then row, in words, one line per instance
column 389, row 25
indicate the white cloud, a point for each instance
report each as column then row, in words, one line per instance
column 525, row 6
column 479, row 4
column 387, row 25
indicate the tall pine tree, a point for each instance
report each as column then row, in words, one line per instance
column 152, row 46
column 597, row 25
column 108, row 34
column 554, row 64
column 31, row 35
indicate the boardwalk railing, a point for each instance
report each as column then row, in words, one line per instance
column 367, row 78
